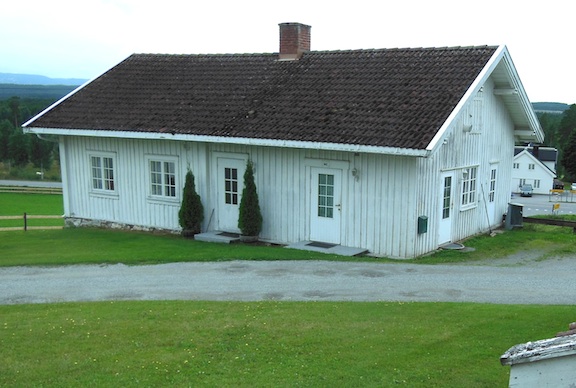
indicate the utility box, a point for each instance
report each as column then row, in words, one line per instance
column 543, row 363
column 514, row 216
column 422, row 224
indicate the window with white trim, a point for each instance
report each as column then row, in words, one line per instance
column 531, row 166
column 536, row 183
column 469, row 187
column 102, row 173
column 162, row 177
column 516, row 165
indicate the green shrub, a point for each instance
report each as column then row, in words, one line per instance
column 250, row 218
column 191, row 212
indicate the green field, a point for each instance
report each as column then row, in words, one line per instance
column 267, row 344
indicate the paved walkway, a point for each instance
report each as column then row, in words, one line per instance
column 44, row 184
column 514, row 282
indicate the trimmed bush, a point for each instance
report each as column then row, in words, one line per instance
column 191, row 212
column 250, row 218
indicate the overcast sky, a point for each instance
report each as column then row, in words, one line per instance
column 84, row 38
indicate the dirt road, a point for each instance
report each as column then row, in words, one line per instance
column 518, row 281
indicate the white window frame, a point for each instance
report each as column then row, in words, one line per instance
column 106, row 176
column 536, row 183
column 531, row 166
column 164, row 187
column 516, row 166
column 469, row 188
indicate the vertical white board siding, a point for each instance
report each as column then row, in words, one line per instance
column 379, row 206
column 131, row 204
column 489, row 142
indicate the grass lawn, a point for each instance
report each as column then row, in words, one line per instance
column 16, row 204
column 316, row 344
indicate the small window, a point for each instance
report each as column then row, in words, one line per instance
column 162, row 178
column 469, row 187
column 516, row 166
column 103, row 176
column 531, row 166
column 536, row 183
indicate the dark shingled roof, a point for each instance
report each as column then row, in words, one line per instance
column 389, row 97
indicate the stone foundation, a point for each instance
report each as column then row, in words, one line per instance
column 75, row 222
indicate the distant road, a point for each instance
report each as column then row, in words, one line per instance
column 55, row 185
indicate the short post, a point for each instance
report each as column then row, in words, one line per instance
column 25, row 222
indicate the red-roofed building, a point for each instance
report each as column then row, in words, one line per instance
column 396, row 151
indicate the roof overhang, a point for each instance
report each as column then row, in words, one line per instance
column 230, row 140
column 509, row 88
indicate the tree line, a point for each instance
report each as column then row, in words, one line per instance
column 19, row 149
column 560, row 133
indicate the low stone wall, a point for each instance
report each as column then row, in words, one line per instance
column 75, row 222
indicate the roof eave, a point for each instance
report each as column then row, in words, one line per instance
column 231, row 140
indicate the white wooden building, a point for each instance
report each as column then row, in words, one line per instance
column 395, row 151
column 534, row 166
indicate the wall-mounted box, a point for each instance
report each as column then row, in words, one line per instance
column 422, row 224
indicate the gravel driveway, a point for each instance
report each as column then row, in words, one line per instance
column 517, row 280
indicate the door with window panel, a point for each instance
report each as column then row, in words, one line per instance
column 446, row 208
column 229, row 186
column 325, row 205
column 491, row 200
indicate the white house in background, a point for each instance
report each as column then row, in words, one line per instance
column 396, row 151
column 535, row 166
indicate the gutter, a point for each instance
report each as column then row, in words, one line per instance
column 231, row 140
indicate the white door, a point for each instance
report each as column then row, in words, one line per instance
column 446, row 208
column 325, row 204
column 491, row 200
column 230, row 185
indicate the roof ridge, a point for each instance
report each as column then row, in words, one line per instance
column 430, row 48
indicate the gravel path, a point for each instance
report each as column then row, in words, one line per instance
column 516, row 280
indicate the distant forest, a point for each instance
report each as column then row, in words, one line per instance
column 552, row 107
column 22, row 155
column 19, row 103
column 43, row 92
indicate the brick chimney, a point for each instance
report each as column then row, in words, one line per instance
column 294, row 40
